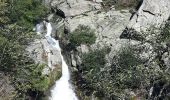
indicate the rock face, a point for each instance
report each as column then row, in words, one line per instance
column 152, row 13
column 45, row 54
column 75, row 7
column 109, row 26
column 7, row 91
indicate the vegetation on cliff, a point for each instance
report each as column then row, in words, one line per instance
column 17, row 18
column 121, row 4
column 129, row 75
column 82, row 35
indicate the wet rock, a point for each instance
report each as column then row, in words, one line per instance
column 43, row 53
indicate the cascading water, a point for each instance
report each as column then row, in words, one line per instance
column 62, row 89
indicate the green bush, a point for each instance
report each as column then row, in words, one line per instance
column 128, row 72
column 25, row 12
column 30, row 77
column 16, row 19
column 10, row 55
column 92, row 64
column 165, row 33
column 127, row 58
column 109, row 82
column 126, row 67
column 82, row 35
column 121, row 4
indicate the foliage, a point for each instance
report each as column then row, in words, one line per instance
column 10, row 53
column 109, row 82
column 31, row 78
column 121, row 4
column 92, row 65
column 127, row 58
column 93, row 62
column 16, row 20
column 25, row 12
column 82, row 35
column 3, row 19
column 165, row 33
column 126, row 67
column 128, row 72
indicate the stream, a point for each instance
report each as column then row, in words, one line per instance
column 62, row 90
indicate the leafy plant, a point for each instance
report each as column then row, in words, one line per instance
column 82, row 35
column 165, row 33
column 91, row 68
column 16, row 20
column 121, row 4
column 25, row 12
column 31, row 78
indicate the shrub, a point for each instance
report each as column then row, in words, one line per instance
column 127, row 69
column 165, row 33
column 25, row 12
column 17, row 19
column 82, row 35
column 109, row 82
column 92, row 64
column 11, row 54
column 128, row 58
column 121, row 4
column 30, row 77
column 128, row 72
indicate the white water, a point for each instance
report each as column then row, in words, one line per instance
column 62, row 89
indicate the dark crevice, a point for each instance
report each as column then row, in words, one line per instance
column 149, row 12
column 139, row 4
column 134, row 11
column 58, row 12
column 131, row 34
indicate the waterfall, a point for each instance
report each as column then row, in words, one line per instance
column 62, row 89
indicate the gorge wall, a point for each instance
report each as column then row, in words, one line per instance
column 116, row 49
column 116, row 29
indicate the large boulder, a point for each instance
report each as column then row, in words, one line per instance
column 108, row 27
column 152, row 13
column 75, row 7
column 45, row 54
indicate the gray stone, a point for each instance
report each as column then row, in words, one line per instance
column 152, row 13
column 43, row 53
column 74, row 7
column 98, row 1
column 108, row 27
column 73, row 61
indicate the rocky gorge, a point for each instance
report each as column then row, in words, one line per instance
column 114, row 49
column 115, row 29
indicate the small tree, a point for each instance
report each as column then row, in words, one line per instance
column 82, row 35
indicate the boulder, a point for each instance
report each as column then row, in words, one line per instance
column 108, row 27
column 72, row 8
column 152, row 13
column 43, row 53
